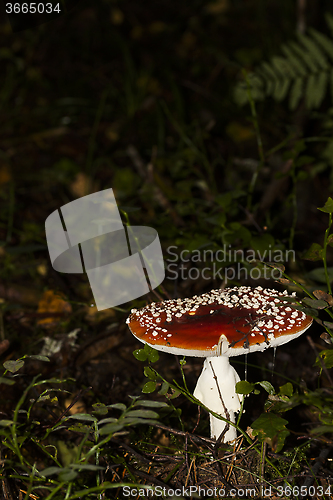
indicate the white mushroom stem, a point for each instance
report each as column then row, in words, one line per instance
column 210, row 389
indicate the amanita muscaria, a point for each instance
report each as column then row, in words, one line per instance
column 217, row 325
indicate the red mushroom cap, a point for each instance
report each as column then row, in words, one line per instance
column 230, row 322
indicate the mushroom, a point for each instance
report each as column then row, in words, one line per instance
column 217, row 325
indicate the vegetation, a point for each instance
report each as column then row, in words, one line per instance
column 144, row 98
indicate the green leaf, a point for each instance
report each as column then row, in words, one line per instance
column 109, row 420
column 296, row 93
column 49, row 471
column 164, row 389
column 267, row 386
column 150, row 373
column 328, row 207
column 151, row 404
column 283, row 66
column 142, row 414
column 6, row 423
column 67, row 475
column 315, row 303
column 52, row 380
column 86, row 467
column 329, row 21
column 83, row 416
column 152, row 354
column 325, row 42
column 271, row 429
column 269, row 70
column 38, row 357
column 100, row 409
column 275, row 265
column 7, row 381
column 294, row 61
column 321, row 84
column 327, row 357
column 118, row 406
column 244, row 387
column 311, row 91
column 281, row 89
column 175, row 393
column 315, row 252
column 149, row 387
column 286, row 389
column 140, row 355
column 139, row 421
column 314, row 51
column 303, row 55
column 322, row 429
column 110, row 429
column 13, row 366
column 85, row 428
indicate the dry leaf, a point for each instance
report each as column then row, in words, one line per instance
column 320, row 295
column 52, row 303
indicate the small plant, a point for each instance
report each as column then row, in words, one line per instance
column 93, row 431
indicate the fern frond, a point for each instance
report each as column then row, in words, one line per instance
column 304, row 56
column 323, row 41
column 294, row 61
column 314, row 52
column 304, row 70
column 296, row 93
column 329, row 20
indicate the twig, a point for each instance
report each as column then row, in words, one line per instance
column 186, row 458
column 233, row 456
column 262, row 469
column 221, row 436
column 226, row 412
column 193, row 437
column 189, row 472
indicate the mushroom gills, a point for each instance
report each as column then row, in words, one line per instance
column 218, row 380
